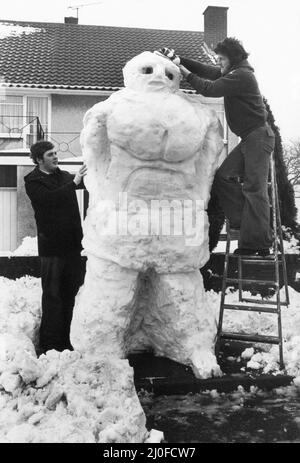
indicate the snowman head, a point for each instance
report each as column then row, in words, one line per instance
column 149, row 72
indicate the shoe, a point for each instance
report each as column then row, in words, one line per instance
column 68, row 347
column 252, row 252
column 40, row 350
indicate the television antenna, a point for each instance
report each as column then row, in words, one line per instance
column 77, row 7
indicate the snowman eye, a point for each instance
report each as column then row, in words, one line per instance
column 169, row 75
column 147, row 70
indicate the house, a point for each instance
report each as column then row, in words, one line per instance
column 52, row 73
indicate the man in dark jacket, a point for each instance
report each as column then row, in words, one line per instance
column 53, row 198
column 245, row 205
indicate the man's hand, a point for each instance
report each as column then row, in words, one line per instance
column 184, row 71
column 168, row 53
column 80, row 174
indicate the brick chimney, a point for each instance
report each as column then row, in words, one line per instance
column 71, row 20
column 215, row 25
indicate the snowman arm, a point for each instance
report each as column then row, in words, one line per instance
column 213, row 141
column 95, row 148
column 209, row 154
column 93, row 138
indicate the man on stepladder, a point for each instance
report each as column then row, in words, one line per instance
column 246, row 205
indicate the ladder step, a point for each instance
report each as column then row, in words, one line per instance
column 250, row 337
column 258, row 259
column 262, row 301
column 249, row 282
column 251, row 308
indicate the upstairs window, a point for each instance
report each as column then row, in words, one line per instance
column 18, row 118
column 36, row 107
column 11, row 115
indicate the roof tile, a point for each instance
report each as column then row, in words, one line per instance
column 58, row 55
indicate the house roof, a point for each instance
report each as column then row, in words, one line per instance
column 74, row 56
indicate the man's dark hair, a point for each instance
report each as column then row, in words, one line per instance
column 233, row 49
column 38, row 149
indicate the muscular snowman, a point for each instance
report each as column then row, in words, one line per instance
column 151, row 152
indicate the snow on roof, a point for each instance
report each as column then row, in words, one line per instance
column 15, row 30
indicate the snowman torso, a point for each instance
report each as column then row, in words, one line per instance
column 153, row 127
column 154, row 144
column 154, row 141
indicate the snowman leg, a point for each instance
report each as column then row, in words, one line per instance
column 184, row 326
column 104, row 308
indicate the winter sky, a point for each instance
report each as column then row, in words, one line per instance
column 269, row 30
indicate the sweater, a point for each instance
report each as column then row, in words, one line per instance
column 244, row 107
column 54, row 201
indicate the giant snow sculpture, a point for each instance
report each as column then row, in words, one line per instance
column 151, row 152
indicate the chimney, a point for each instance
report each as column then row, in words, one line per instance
column 215, row 25
column 71, row 20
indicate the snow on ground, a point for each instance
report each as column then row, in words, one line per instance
column 221, row 246
column 59, row 397
column 290, row 247
column 265, row 356
column 63, row 398
column 28, row 247
column 290, row 243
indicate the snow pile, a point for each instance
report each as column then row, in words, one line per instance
column 20, row 313
column 59, row 397
column 63, row 398
column 264, row 356
column 29, row 247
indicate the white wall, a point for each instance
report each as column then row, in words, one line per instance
column 8, row 219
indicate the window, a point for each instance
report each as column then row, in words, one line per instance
column 18, row 118
column 36, row 107
column 11, row 115
column 8, row 176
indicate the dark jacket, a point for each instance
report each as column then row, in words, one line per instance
column 244, row 107
column 55, row 205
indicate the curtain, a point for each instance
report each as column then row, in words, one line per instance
column 36, row 107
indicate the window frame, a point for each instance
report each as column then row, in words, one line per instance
column 8, row 135
column 26, row 131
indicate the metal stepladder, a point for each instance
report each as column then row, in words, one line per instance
column 254, row 304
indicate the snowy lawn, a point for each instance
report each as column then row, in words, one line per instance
column 240, row 416
column 34, row 404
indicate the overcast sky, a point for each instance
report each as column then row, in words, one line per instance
column 269, row 30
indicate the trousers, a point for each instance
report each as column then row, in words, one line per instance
column 61, row 279
column 246, row 205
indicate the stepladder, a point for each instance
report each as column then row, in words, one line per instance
column 276, row 262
